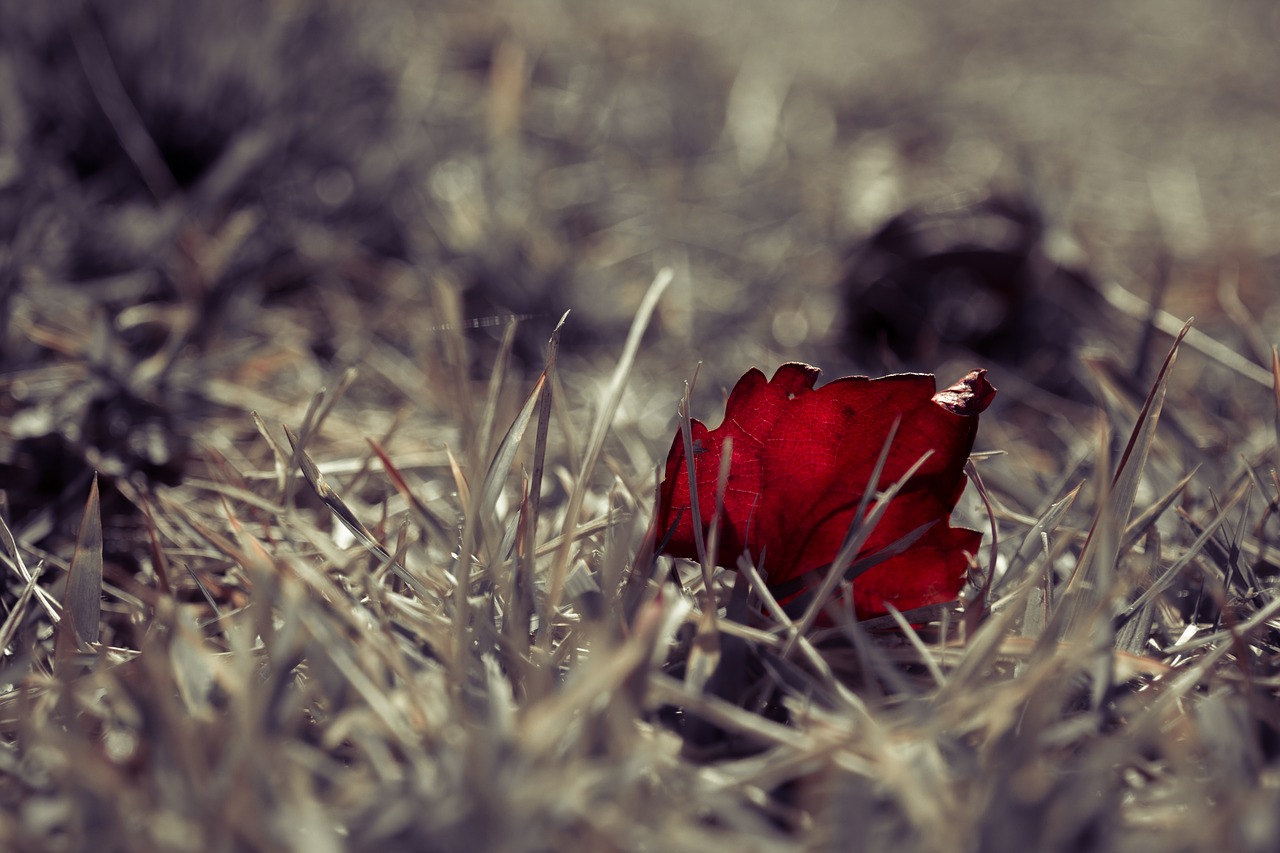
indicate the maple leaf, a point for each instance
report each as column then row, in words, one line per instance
column 802, row 459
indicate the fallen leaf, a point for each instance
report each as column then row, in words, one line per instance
column 801, row 462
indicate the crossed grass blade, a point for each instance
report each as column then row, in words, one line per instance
column 603, row 422
column 349, row 519
column 1083, row 600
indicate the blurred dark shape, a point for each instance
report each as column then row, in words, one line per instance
column 100, row 426
column 982, row 278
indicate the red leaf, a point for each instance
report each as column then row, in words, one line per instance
column 801, row 461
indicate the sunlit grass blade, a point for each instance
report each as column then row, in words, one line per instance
column 18, row 611
column 434, row 527
column 1139, row 526
column 1031, row 546
column 604, row 419
column 1138, row 308
column 504, row 458
column 1133, row 460
column 522, row 603
column 13, row 558
column 349, row 519
column 1090, row 585
column 479, row 447
column 1193, row 551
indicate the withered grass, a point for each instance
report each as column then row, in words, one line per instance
column 323, row 528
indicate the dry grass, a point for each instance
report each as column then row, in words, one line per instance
column 312, row 541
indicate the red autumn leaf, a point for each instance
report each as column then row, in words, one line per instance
column 801, row 461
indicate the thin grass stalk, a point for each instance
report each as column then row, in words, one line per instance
column 604, row 419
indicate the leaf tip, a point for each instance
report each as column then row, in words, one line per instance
column 968, row 397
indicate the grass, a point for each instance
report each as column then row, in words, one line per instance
column 323, row 529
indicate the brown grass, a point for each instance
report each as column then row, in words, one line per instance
column 311, row 541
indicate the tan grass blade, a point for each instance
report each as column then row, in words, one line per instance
column 544, row 426
column 279, row 455
column 927, row 656
column 495, row 479
column 459, row 480
column 704, row 657
column 1275, row 384
column 1138, row 527
column 344, row 514
column 1031, row 546
column 159, row 559
column 976, row 608
column 1139, row 309
column 19, row 610
column 1134, row 459
column 82, row 602
column 604, row 421
column 522, row 601
column 432, row 526
column 1094, row 569
column 1192, row 552
column 14, row 559
column 480, row 512
column 1134, row 631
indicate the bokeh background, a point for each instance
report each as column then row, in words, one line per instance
column 208, row 207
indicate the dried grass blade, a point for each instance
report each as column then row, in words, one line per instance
column 926, row 654
column 82, row 603
column 1138, row 527
column 482, row 508
column 544, row 426
column 1133, row 461
column 1132, row 634
column 344, row 514
column 1275, row 384
column 1138, row 308
column 522, row 599
column 704, row 657
column 432, row 526
column 665, row 689
column 1097, row 559
column 14, row 559
column 500, row 467
column 459, row 480
column 604, row 421
column 1032, row 544
column 278, row 454
column 1192, row 552
column 976, row 608
column 330, row 400
column 19, row 610
column 299, row 443
column 983, row 647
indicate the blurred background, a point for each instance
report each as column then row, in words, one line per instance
column 218, row 205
